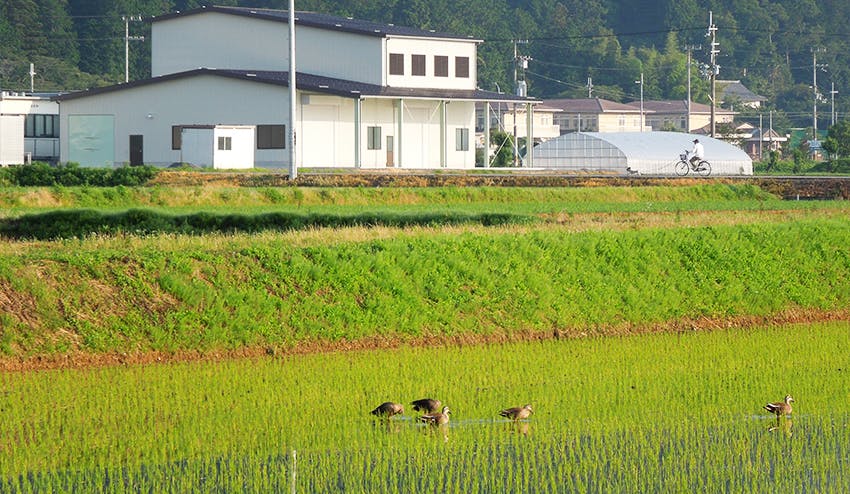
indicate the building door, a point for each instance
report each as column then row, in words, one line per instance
column 390, row 152
column 136, row 150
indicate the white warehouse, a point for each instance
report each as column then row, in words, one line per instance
column 368, row 95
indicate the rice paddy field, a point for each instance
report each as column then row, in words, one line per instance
column 651, row 413
column 647, row 327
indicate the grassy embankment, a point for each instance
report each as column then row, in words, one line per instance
column 567, row 262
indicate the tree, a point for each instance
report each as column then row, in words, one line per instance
column 837, row 142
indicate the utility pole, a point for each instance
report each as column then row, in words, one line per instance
column 641, row 101
column 815, row 68
column 689, row 49
column 715, row 69
column 589, row 87
column 832, row 93
column 32, row 78
column 127, row 39
column 520, row 62
column 293, row 167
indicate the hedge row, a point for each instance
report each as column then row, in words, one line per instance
column 44, row 175
column 79, row 223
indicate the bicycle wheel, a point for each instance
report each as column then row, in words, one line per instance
column 682, row 168
column 704, row 168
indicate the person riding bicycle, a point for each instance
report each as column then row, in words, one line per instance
column 698, row 153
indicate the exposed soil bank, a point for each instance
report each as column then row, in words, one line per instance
column 82, row 360
column 807, row 188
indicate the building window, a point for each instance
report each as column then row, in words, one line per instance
column 396, row 64
column 39, row 125
column 461, row 66
column 373, row 137
column 271, row 137
column 224, row 143
column 441, row 66
column 461, row 139
column 418, row 62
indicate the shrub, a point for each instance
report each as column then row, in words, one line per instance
column 41, row 174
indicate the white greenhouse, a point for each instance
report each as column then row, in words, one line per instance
column 646, row 153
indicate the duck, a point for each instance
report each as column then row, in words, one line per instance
column 388, row 409
column 517, row 413
column 441, row 418
column 780, row 408
column 427, row 405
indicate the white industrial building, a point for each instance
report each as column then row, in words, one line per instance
column 368, row 95
column 29, row 128
column 648, row 153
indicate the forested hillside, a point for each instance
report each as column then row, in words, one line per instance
column 768, row 45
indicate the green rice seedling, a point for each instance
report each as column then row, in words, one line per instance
column 651, row 413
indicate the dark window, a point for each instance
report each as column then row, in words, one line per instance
column 396, row 64
column 373, row 138
column 462, row 140
column 441, row 66
column 418, row 64
column 461, row 66
column 224, row 143
column 271, row 137
column 176, row 136
column 38, row 125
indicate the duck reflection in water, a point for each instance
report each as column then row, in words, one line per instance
column 782, row 425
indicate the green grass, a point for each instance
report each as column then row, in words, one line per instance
column 655, row 413
column 231, row 293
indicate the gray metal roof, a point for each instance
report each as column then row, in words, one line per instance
column 315, row 83
column 322, row 21
column 651, row 153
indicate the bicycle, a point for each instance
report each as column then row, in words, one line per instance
column 684, row 166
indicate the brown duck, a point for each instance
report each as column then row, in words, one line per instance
column 388, row 409
column 517, row 413
column 441, row 418
column 780, row 408
column 427, row 405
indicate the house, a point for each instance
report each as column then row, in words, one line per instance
column 368, row 95
column 674, row 115
column 29, row 128
column 543, row 126
column 594, row 115
column 731, row 93
column 762, row 141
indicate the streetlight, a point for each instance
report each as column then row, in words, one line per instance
column 641, row 100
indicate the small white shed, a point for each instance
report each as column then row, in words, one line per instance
column 218, row 146
column 11, row 140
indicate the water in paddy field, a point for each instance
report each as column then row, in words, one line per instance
column 658, row 413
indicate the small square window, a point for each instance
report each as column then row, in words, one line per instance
column 224, row 143
column 373, row 138
column 462, row 67
column 396, row 64
column 418, row 64
column 462, row 139
column 441, row 66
